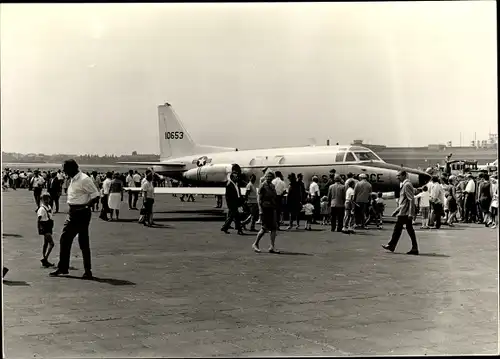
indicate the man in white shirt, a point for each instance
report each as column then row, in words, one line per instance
column 470, row 199
column 106, row 186
column 280, row 187
column 22, row 177
column 315, row 197
column 14, row 176
column 37, row 183
column 436, row 198
column 81, row 196
column 137, row 179
column 147, row 188
column 130, row 182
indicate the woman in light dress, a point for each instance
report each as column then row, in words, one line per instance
column 115, row 196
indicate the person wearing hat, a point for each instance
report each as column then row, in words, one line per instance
column 405, row 212
column 362, row 194
column 267, row 208
column 336, row 199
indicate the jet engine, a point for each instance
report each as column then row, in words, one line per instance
column 216, row 173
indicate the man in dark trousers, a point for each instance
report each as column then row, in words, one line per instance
column 82, row 193
column 234, row 201
column 132, row 196
column 54, row 187
column 405, row 213
column 336, row 199
column 106, row 185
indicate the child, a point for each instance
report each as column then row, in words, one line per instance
column 45, row 226
column 380, row 204
column 424, row 198
column 324, row 210
column 308, row 209
column 446, row 207
column 372, row 214
column 377, row 209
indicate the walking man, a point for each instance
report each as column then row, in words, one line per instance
column 405, row 213
column 81, row 196
column 234, row 201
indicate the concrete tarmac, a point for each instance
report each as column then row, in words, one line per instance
column 187, row 289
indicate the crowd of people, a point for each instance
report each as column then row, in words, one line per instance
column 344, row 205
column 351, row 205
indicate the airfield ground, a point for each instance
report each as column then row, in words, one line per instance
column 186, row 289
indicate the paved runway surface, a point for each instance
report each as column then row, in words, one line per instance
column 186, row 289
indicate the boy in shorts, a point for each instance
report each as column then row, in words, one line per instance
column 45, row 227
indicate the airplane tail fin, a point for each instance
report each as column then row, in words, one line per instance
column 175, row 141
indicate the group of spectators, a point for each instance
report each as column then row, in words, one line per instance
column 352, row 204
column 463, row 198
column 344, row 206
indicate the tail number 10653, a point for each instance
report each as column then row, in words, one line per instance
column 174, row 135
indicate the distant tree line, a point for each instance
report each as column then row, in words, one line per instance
column 13, row 157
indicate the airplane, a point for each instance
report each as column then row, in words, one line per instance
column 206, row 169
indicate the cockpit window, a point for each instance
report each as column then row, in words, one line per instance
column 340, row 157
column 367, row 156
column 350, row 157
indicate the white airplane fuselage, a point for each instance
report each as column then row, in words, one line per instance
column 209, row 166
column 309, row 161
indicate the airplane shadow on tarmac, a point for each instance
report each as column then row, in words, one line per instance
column 111, row 281
column 178, row 219
column 285, row 253
column 12, row 235
column 437, row 255
column 16, row 283
column 214, row 211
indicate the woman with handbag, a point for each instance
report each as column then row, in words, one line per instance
column 45, row 227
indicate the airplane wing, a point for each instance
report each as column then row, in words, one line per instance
column 170, row 164
column 216, row 191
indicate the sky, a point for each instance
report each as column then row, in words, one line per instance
column 87, row 78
